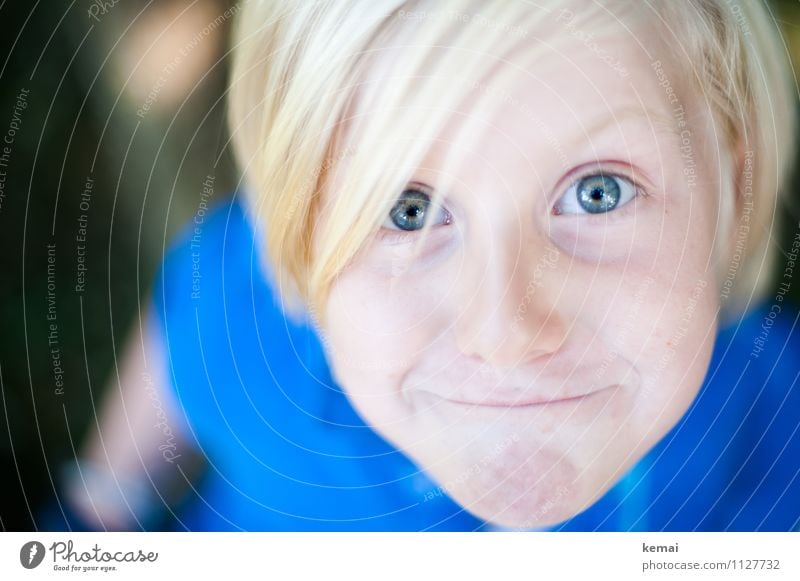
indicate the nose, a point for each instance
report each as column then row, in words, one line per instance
column 510, row 309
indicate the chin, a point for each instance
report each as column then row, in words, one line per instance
column 547, row 491
column 533, row 511
column 539, row 507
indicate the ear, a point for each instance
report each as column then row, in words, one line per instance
column 740, row 155
column 735, row 209
column 731, row 202
column 740, row 200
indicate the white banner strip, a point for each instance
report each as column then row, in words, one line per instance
column 407, row 556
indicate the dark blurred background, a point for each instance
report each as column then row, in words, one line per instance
column 124, row 97
column 122, row 121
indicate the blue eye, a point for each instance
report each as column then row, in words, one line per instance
column 596, row 194
column 411, row 212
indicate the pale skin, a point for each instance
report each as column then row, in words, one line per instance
column 529, row 355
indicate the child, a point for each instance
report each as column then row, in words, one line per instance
column 475, row 277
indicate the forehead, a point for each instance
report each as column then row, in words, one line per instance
column 554, row 84
column 572, row 86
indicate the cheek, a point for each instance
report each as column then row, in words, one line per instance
column 675, row 356
column 672, row 332
column 378, row 326
column 648, row 289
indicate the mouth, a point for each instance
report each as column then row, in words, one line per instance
column 522, row 402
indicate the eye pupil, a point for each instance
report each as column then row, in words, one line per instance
column 599, row 193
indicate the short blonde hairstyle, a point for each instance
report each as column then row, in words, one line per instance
column 298, row 73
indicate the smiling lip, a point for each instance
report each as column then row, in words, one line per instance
column 524, row 403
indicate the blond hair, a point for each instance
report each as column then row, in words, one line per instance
column 298, row 79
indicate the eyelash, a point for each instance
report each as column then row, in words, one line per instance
column 396, row 237
column 392, row 237
column 638, row 192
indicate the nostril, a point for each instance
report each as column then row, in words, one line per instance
column 517, row 349
column 507, row 343
column 507, row 352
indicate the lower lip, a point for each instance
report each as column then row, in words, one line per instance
column 527, row 405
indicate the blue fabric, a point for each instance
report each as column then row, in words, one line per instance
column 287, row 452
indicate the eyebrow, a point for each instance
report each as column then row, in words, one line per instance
column 660, row 123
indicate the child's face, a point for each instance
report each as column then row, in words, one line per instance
column 547, row 335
